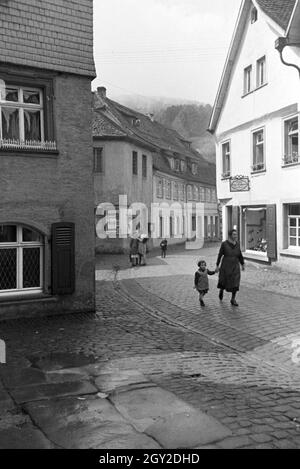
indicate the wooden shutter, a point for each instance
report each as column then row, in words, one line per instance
column 235, row 218
column 271, row 232
column 63, row 258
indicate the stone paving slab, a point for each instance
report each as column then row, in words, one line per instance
column 51, row 391
column 25, row 436
column 169, row 420
column 14, row 377
column 91, row 423
column 6, row 403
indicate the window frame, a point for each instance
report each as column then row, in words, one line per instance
column 259, row 83
column 144, row 166
column 297, row 228
column 159, row 188
column 135, row 164
column 247, row 80
column 258, row 167
column 226, row 173
column 287, row 158
column 45, row 83
column 19, row 245
column 96, row 170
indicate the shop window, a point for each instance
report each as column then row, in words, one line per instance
column 256, row 229
column 258, row 150
column 294, row 226
column 226, row 160
column 21, row 259
column 291, row 141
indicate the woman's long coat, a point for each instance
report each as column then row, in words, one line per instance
column 230, row 272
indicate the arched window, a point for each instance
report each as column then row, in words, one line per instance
column 21, row 259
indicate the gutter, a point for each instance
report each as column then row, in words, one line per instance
column 280, row 45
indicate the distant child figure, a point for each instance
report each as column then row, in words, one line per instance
column 164, row 247
column 201, row 280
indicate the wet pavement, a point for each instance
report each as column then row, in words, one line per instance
column 237, row 366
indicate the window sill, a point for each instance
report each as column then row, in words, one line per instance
column 253, row 91
column 24, row 299
column 258, row 172
column 29, row 152
column 290, row 253
column 289, row 165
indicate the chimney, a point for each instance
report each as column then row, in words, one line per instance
column 101, row 90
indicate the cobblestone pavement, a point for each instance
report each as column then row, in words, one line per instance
column 238, row 365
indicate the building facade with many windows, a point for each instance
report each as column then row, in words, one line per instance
column 139, row 158
column 46, row 186
column 255, row 121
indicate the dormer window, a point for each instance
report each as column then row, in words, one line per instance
column 172, row 163
column 254, row 15
column 194, row 168
column 182, row 166
column 177, row 165
column 136, row 122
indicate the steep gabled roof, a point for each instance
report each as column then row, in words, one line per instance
column 280, row 11
column 112, row 120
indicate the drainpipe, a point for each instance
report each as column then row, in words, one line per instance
column 280, row 44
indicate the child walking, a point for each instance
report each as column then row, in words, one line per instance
column 201, row 280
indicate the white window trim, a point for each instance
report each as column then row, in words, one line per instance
column 20, row 246
column 263, row 58
column 284, row 158
column 23, row 106
column 248, row 73
column 254, row 131
column 225, row 174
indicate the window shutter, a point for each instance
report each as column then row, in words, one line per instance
column 235, row 218
column 63, row 258
column 271, row 232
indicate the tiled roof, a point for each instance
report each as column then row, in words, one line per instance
column 49, row 34
column 279, row 11
column 111, row 119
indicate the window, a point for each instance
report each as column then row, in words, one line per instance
column 182, row 166
column 254, row 15
column 144, row 166
column 258, row 151
column 98, row 160
column 291, row 141
column 177, row 165
column 175, row 191
column 172, row 163
column 159, row 188
column 226, row 160
column 247, row 79
column 181, row 191
column 195, row 193
column 21, row 116
column 202, row 194
column 21, row 259
column 194, row 168
column 168, row 189
column 261, row 72
column 189, row 192
column 294, row 226
column 134, row 163
column 207, row 194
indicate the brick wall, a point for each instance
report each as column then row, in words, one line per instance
column 38, row 190
column 49, row 34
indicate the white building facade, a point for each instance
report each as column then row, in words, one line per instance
column 255, row 121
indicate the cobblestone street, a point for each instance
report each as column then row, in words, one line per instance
column 237, row 365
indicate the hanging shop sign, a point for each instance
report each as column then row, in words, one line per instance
column 239, row 184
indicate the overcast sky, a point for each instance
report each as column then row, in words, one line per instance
column 172, row 48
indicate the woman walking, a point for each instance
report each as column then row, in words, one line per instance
column 230, row 272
